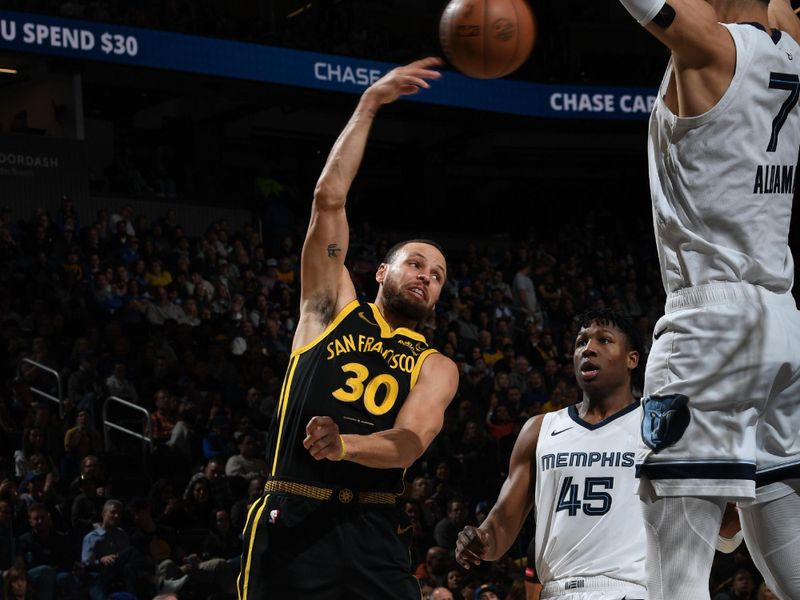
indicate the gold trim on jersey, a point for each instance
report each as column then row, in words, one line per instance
column 323, row 494
column 331, row 326
column 243, row 581
column 283, row 401
column 387, row 331
column 418, row 367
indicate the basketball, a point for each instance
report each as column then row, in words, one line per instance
column 487, row 39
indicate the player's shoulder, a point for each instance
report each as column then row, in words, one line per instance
column 438, row 367
column 528, row 438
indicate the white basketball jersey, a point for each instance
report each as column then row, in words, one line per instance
column 588, row 519
column 722, row 182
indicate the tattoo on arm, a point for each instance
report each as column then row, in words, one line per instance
column 665, row 16
column 333, row 250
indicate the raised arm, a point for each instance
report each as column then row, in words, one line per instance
column 703, row 51
column 418, row 422
column 781, row 16
column 494, row 537
column 326, row 287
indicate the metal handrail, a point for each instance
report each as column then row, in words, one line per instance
column 58, row 400
column 108, row 425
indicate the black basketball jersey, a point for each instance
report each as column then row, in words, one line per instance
column 358, row 372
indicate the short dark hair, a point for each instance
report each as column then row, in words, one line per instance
column 392, row 252
column 620, row 320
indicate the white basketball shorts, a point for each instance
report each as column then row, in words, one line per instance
column 593, row 588
column 722, row 395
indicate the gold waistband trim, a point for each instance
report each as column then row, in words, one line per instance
column 344, row 495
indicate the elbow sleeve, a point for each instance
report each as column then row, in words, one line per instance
column 643, row 11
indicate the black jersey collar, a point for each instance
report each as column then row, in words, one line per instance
column 573, row 413
column 775, row 35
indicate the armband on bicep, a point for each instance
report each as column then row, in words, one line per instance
column 647, row 11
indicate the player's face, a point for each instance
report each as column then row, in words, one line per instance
column 602, row 360
column 411, row 284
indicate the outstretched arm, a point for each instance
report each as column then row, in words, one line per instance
column 702, row 49
column 326, row 287
column 496, row 534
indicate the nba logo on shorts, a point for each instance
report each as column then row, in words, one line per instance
column 665, row 420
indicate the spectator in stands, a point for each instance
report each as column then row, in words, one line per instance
column 218, row 443
column 83, row 439
column 258, row 409
column 506, row 364
column 105, row 553
column 433, row 571
column 240, row 509
column 421, row 537
column 182, row 439
column 498, row 420
column 199, row 288
column 454, row 581
column 85, row 387
column 164, row 418
column 191, row 316
column 197, row 503
column 421, row 492
column 162, row 309
column 486, row 592
column 246, row 464
column 90, row 468
column 119, row 385
column 130, row 252
column 167, row 508
column 524, row 295
column 741, row 587
column 47, row 557
column 16, row 585
column 125, row 214
column 519, row 376
column 446, row 531
column 441, row 593
column 158, row 379
column 87, row 506
column 33, row 443
column 157, row 276
column 223, row 541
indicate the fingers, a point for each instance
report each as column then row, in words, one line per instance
column 318, row 422
column 322, row 438
column 470, row 547
column 322, row 447
column 427, row 63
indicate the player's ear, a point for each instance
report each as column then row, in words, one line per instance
column 633, row 359
column 380, row 274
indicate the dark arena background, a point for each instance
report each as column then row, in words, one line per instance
column 157, row 166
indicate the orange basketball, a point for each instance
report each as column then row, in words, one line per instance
column 487, row 39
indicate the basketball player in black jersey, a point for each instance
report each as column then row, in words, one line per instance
column 362, row 399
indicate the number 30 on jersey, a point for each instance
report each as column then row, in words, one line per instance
column 361, row 385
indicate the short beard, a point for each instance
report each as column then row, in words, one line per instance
column 403, row 307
